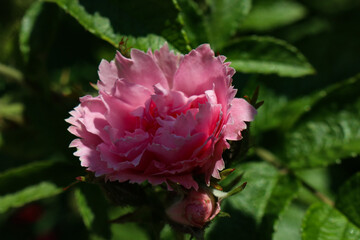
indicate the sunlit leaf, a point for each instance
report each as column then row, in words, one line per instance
column 329, row 131
column 289, row 223
column 267, row 55
column 267, row 15
column 27, row 195
column 323, row 222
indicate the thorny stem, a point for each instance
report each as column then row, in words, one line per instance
column 273, row 160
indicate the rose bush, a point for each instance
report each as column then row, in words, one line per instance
column 195, row 209
column 160, row 117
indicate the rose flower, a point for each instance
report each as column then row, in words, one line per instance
column 160, row 117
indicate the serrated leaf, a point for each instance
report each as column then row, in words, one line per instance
column 27, row 195
column 283, row 113
column 26, row 28
column 267, row 55
column 323, row 222
column 223, row 20
column 255, row 209
column 324, row 141
column 101, row 27
column 93, row 210
column 348, row 201
column 267, row 15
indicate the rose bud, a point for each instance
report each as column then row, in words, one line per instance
column 195, row 209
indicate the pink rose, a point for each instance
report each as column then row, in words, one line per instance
column 196, row 209
column 159, row 117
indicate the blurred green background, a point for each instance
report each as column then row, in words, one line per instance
column 49, row 55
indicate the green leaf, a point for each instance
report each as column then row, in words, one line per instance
column 267, row 15
column 27, row 195
column 224, row 18
column 323, row 222
column 192, row 19
column 348, row 201
column 267, row 55
column 257, row 208
column 320, row 142
column 213, row 21
column 92, row 207
column 280, row 112
column 84, row 209
column 27, row 25
column 101, row 27
column 283, row 193
column 50, row 170
column 289, row 223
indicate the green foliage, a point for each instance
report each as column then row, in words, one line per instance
column 331, row 134
column 223, row 19
column 267, row 55
column 266, row 15
column 214, row 21
column 324, row 223
column 51, row 170
column 348, row 201
column 27, row 195
column 266, row 195
column 289, row 223
column 92, row 207
column 101, row 27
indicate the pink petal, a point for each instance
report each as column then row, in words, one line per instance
column 241, row 111
column 140, row 69
column 108, row 74
column 168, row 63
column 198, row 71
column 130, row 93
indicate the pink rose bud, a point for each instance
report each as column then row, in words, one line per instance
column 196, row 209
column 160, row 117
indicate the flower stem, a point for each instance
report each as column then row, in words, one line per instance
column 273, row 160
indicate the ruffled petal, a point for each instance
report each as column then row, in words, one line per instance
column 198, row 71
column 140, row 69
column 241, row 111
column 168, row 62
